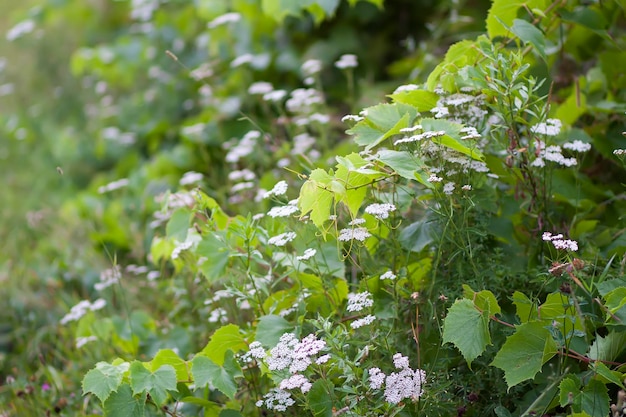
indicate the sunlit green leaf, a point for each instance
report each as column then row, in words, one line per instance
column 155, row 383
column 524, row 352
column 466, row 328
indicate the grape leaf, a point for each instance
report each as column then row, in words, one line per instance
column 406, row 165
column 503, row 12
column 270, row 328
column 524, row 352
column 205, row 371
column 178, row 224
column 422, row 100
column 169, row 357
column 216, row 253
column 594, row 400
column 569, row 391
column 104, row 379
column 224, row 339
column 608, row 348
column 320, row 400
column 155, row 383
column 124, row 403
column 529, row 33
column 316, row 197
column 466, row 328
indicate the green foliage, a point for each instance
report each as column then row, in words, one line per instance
column 473, row 216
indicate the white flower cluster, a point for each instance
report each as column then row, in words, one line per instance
column 294, row 355
column 108, row 277
column 115, row 185
column 406, row 383
column 419, row 137
column 619, row 152
column 80, row 309
column 224, row 19
column 560, row 243
column 577, row 146
column 388, row 275
column 302, row 100
column 552, row 153
column 356, row 233
column 551, row 127
column 308, row 254
column 279, row 189
column 311, row 67
column 369, row 319
column 380, row 211
column 284, row 211
column 347, row 61
column 191, row 177
column 282, row 239
column 359, row 301
column 244, row 148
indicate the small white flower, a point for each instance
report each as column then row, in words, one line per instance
column 282, row 211
column 377, row 378
column 279, row 189
column 551, row 127
column 308, row 254
column 282, row 239
column 322, row 359
column 388, row 275
column 359, row 301
column 448, row 188
column 369, row 319
column 311, row 67
column 224, row 19
column 82, row 341
column 577, row 146
column 357, row 233
column 347, row 61
column 466, row 187
column 260, row 88
column 356, row 222
column 351, row 118
column 434, row 178
column 380, row 211
column 191, row 177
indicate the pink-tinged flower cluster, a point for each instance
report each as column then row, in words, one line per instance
column 405, row 383
column 560, row 243
column 295, row 356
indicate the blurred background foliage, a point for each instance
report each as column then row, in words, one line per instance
column 97, row 91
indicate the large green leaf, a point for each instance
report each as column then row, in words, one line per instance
column 452, row 138
column 270, row 328
column 355, row 178
column 381, row 122
column 569, row 391
column 225, row 338
column 405, row 164
column 316, row 197
column 124, row 403
column 178, row 224
column 320, row 399
column 416, row 236
column 485, row 300
column 205, row 371
column 595, row 399
column 459, row 55
column 529, row 33
column 169, row 357
column 466, row 328
column 216, row 253
column 609, row 347
column 422, row 100
column 104, row 379
column 524, row 352
column 155, row 383
column 503, row 12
